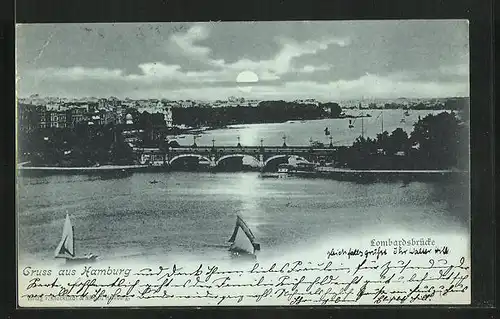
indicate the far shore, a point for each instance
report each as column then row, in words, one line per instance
column 81, row 168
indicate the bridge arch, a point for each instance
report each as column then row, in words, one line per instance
column 283, row 158
column 188, row 155
column 234, row 155
column 272, row 158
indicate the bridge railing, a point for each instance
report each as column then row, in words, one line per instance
column 231, row 149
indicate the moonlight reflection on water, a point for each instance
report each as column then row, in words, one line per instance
column 193, row 214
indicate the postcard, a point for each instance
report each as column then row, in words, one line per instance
column 297, row 163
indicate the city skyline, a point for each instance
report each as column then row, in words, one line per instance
column 335, row 60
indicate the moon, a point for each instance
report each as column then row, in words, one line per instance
column 244, row 79
column 247, row 77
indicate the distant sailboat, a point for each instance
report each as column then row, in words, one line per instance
column 243, row 240
column 405, row 113
column 66, row 247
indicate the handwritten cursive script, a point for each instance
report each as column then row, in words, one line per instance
column 392, row 275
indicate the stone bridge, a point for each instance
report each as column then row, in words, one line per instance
column 214, row 155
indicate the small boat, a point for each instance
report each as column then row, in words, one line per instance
column 154, row 181
column 66, row 247
column 269, row 175
column 302, row 169
column 243, row 240
column 350, row 124
column 283, row 168
column 407, row 113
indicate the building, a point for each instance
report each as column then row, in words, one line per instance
column 252, row 103
column 62, row 119
column 236, row 100
column 108, row 104
column 129, row 120
column 107, row 117
column 307, row 101
column 28, row 116
column 77, row 116
column 166, row 110
column 53, row 106
column 186, row 103
column 118, row 114
column 102, row 104
column 44, row 117
column 57, row 119
column 169, row 118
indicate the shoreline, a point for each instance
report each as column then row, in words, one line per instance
column 103, row 171
column 321, row 172
column 82, row 168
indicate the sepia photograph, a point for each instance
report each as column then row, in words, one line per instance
column 243, row 163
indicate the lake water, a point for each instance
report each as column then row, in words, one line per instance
column 192, row 215
column 300, row 133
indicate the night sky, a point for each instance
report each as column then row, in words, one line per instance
column 331, row 60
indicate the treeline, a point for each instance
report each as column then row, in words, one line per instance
column 458, row 104
column 436, row 142
column 82, row 146
column 264, row 112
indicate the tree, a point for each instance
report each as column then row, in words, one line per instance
column 440, row 139
column 335, row 109
column 383, row 141
column 120, row 152
column 398, row 141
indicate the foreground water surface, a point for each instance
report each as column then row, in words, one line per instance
column 193, row 214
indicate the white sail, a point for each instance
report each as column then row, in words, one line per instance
column 242, row 242
column 66, row 247
column 242, row 238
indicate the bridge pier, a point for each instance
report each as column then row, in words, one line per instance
column 261, row 160
column 213, row 161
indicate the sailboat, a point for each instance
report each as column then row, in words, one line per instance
column 350, row 124
column 405, row 113
column 243, row 240
column 66, row 247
